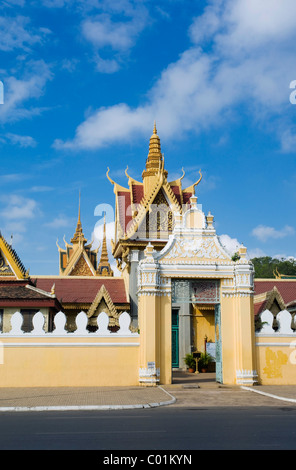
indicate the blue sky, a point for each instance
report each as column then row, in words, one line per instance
column 83, row 82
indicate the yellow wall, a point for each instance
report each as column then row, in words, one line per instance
column 155, row 322
column 61, row 361
column 276, row 365
column 166, row 340
column 203, row 323
column 228, row 340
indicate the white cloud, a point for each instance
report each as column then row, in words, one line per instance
column 9, row 3
column 41, row 189
column 15, row 33
column 107, row 124
column 284, row 256
column 106, row 65
column 13, row 177
column 230, row 244
column 110, row 36
column 60, row 222
column 17, row 91
column 256, row 253
column 21, row 140
column 19, row 208
column 16, row 214
column 102, row 32
column 288, row 140
column 263, row 232
column 236, row 68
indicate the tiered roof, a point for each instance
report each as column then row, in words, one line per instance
column 133, row 203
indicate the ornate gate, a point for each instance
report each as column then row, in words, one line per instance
column 198, row 291
column 218, row 342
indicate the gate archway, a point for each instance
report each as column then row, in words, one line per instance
column 195, row 268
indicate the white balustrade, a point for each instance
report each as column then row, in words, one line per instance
column 60, row 323
column 267, row 320
column 60, row 320
column 38, row 324
column 16, row 324
column 124, row 324
column 81, row 324
column 103, row 322
column 284, row 321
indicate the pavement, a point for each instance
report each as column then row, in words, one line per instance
column 187, row 390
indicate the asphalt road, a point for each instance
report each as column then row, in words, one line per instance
column 167, row 428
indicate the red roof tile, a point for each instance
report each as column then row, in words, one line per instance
column 259, row 307
column 176, row 191
column 287, row 289
column 186, row 197
column 83, row 290
column 138, row 193
column 17, row 294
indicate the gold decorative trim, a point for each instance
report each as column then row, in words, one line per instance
column 103, row 294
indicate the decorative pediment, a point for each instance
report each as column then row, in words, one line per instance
column 78, row 259
column 198, row 248
column 103, row 302
column 79, row 264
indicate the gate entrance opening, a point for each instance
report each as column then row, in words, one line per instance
column 196, row 322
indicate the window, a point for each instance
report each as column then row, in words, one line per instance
column 28, row 315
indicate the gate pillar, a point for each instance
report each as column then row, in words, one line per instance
column 154, row 307
column 237, row 326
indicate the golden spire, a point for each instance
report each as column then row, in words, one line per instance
column 154, row 162
column 78, row 236
column 104, row 268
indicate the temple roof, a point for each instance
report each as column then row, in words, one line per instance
column 83, row 290
column 24, row 294
column 133, row 202
column 287, row 288
column 78, row 258
column 265, row 300
column 10, row 263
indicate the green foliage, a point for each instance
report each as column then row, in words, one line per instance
column 235, row 257
column 205, row 359
column 190, row 361
column 265, row 267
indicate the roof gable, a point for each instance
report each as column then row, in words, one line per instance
column 103, row 294
column 79, row 264
column 10, row 263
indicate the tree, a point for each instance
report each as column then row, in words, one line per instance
column 266, row 266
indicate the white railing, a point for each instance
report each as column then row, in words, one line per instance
column 60, row 324
column 284, row 322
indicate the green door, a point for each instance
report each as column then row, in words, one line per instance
column 175, row 338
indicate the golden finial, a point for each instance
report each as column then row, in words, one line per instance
column 78, row 235
column 107, row 174
column 79, row 207
column 104, row 268
column 155, row 159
